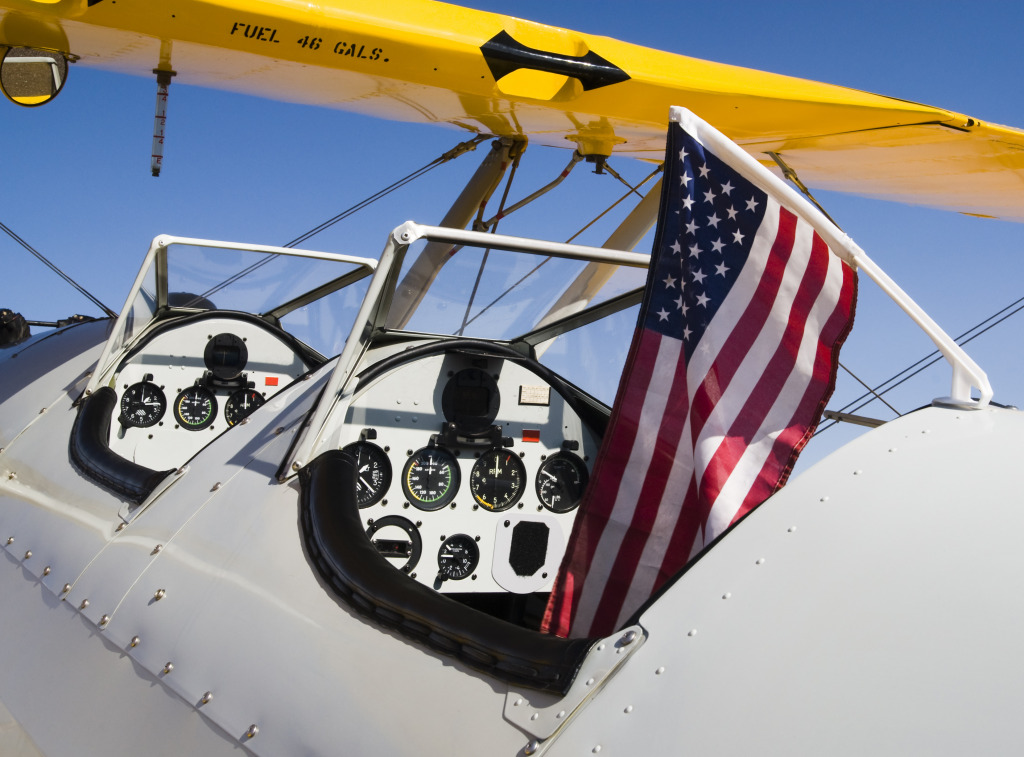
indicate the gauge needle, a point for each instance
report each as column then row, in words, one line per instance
column 550, row 475
column 365, row 483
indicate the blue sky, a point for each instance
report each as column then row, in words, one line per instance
column 76, row 183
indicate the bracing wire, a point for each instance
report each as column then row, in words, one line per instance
column 455, row 152
column 926, row 362
column 58, row 271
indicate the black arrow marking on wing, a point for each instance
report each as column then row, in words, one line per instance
column 504, row 55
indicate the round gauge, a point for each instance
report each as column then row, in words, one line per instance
column 373, row 472
column 431, row 478
column 497, row 479
column 397, row 540
column 241, row 404
column 142, row 405
column 457, row 558
column 561, row 480
column 195, row 408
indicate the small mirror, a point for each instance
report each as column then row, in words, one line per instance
column 30, row 76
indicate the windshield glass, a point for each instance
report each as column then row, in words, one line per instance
column 312, row 295
column 498, row 294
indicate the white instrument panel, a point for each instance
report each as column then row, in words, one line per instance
column 162, row 419
column 456, row 505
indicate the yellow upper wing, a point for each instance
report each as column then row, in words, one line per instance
column 416, row 60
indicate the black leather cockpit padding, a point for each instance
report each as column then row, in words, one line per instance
column 90, row 451
column 349, row 562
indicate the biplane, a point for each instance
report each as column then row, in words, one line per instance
column 296, row 501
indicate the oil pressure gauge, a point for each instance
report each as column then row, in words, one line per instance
column 561, row 480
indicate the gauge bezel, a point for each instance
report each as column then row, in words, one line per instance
column 206, row 422
column 450, row 491
column 445, row 571
column 127, row 420
column 232, row 400
column 476, row 479
column 378, row 455
column 415, row 540
column 582, row 474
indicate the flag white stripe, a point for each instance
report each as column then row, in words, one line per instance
column 655, row 400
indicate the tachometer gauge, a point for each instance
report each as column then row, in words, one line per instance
column 195, row 408
column 142, row 405
column 561, row 480
column 241, row 404
column 497, row 479
column 458, row 557
column 373, row 472
column 431, row 478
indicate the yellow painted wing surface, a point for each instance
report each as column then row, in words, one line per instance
column 422, row 61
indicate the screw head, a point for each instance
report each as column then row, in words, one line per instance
column 160, row 594
column 134, row 642
column 206, row 698
column 28, row 554
column 168, row 668
column 253, row 730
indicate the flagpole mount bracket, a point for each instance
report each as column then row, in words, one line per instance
column 541, row 717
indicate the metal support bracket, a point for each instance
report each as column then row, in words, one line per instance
column 542, row 721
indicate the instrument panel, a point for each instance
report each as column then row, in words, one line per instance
column 192, row 381
column 470, row 471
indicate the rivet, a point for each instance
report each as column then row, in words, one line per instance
column 791, row 529
column 243, row 421
column 517, row 702
column 46, row 570
column 857, row 472
column 823, row 499
column 160, row 594
column 628, row 638
column 134, row 642
column 760, row 561
column 692, row 632
column 85, row 603
column 121, row 526
column 727, row 595
column 534, row 716
column 10, row 540
column 104, row 620
column 168, row 668
column 42, row 410
column 215, row 487
column 590, row 682
column 659, row 671
column 295, row 466
column 206, row 698
column 28, row 554
column 531, row 748
column 157, row 549
column 253, row 730
column 561, row 714
column 629, row 709
column 67, row 588
column 892, row 449
column 11, row 475
column 600, row 647
column 596, row 749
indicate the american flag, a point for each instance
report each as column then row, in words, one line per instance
column 733, row 359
